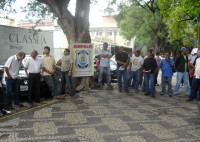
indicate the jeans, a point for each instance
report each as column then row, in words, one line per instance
column 149, row 83
column 124, row 74
column 108, row 75
column 53, row 84
column 12, row 92
column 169, row 84
column 66, row 78
column 194, row 88
column 180, row 76
column 136, row 76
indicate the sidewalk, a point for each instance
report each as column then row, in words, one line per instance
column 107, row 116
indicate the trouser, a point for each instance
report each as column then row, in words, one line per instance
column 149, row 83
column 34, row 87
column 68, row 81
column 12, row 92
column 53, row 84
column 194, row 88
column 124, row 74
column 136, row 76
column 108, row 75
column 169, row 84
column 180, row 76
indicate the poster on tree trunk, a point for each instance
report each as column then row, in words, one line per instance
column 83, row 60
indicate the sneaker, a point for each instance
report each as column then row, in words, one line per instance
column 152, row 95
column 170, row 96
column 5, row 112
column 120, row 90
column 162, row 94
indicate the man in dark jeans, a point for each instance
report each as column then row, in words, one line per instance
column 122, row 62
column 149, row 67
column 181, row 65
column 11, row 72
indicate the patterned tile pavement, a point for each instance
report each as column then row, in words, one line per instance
column 107, row 116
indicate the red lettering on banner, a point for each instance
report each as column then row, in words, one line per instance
column 82, row 46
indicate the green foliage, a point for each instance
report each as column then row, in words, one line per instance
column 138, row 20
column 180, row 18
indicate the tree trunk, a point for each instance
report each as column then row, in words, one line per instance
column 155, row 42
column 76, row 28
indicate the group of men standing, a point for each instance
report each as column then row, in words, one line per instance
column 34, row 68
column 132, row 69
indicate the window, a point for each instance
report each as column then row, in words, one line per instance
column 98, row 33
column 109, row 33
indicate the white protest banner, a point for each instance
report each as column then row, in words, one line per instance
column 83, row 57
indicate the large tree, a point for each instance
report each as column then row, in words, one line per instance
column 142, row 18
column 75, row 27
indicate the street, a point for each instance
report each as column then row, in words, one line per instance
column 106, row 116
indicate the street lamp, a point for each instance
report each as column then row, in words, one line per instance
column 198, row 19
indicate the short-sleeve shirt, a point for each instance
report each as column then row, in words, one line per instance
column 136, row 62
column 48, row 63
column 166, row 67
column 104, row 62
column 65, row 63
column 122, row 57
column 197, row 69
column 13, row 66
column 33, row 65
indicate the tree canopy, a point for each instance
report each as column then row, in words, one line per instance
column 180, row 18
column 143, row 20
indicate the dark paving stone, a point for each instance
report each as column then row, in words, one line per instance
column 66, row 131
column 88, row 113
column 26, row 134
column 25, row 124
column 83, row 107
column 115, row 112
column 58, row 115
column 103, row 129
column 125, row 118
column 112, row 138
column 94, row 120
column 135, row 126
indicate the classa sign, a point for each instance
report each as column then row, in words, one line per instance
column 14, row 40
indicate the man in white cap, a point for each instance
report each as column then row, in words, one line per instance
column 181, row 65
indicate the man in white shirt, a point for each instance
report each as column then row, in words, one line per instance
column 11, row 72
column 196, row 79
column 33, row 67
column 136, row 63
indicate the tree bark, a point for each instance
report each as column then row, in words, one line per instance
column 76, row 28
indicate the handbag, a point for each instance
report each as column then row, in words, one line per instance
column 173, row 67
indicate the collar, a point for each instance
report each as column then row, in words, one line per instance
column 16, row 57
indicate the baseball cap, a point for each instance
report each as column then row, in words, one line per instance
column 184, row 49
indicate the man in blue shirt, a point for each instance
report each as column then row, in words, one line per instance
column 105, row 56
column 166, row 66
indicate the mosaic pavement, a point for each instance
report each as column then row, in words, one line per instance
column 107, row 116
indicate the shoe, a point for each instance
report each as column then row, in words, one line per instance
column 120, row 90
column 170, row 96
column 5, row 112
column 110, row 86
column 162, row 94
column 189, row 100
column 59, row 97
column 152, row 95
column 146, row 94
column 136, row 91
